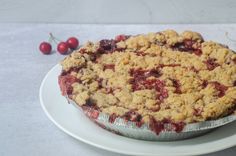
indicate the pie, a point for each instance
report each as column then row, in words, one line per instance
column 154, row 78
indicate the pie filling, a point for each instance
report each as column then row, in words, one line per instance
column 159, row 79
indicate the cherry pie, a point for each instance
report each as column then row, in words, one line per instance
column 154, row 78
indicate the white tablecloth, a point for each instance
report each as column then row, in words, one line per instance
column 24, row 128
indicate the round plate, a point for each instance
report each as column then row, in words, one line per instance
column 73, row 122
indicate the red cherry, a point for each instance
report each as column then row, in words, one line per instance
column 72, row 42
column 45, row 48
column 62, row 48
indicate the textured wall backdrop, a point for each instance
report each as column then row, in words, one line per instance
column 118, row 11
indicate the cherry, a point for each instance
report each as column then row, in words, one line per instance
column 45, row 48
column 62, row 48
column 72, row 42
column 211, row 64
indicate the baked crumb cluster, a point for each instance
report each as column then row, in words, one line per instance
column 149, row 78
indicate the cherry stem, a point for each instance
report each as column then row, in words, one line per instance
column 53, row 38
column 229, row 38
column 50, row 39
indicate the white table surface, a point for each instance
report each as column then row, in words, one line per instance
column 118, row 11
column 24, row 128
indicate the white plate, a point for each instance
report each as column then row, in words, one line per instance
column 76, row 124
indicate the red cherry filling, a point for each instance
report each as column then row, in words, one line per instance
column 204, row 83
column 221, row 88
column 162, row 95
column 218, row 86
column 159, row 126
column 140, row 53
column 132, row 116
column 107, row 46
column 112, row 118
column 197, row 111
column 93, row 56
column 109, row 66
column 197, row 52
column 156, row 126
column 153, row 84
column 100, row 80
column 178, row 127
column 187, row 46
column 211, row 64
column 94, row 114
column 143, row 74
column 65, row 83
column 140, row 81
column 121, row 37
column 74, row 69
column 234, row 60
column 90, row 111
column 176, row 84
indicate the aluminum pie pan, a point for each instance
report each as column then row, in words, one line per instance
column 131, row 130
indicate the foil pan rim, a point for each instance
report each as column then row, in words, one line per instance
column 198, row 126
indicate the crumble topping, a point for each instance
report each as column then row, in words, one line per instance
column 152, row 78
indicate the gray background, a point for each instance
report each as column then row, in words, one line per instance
column 24, row 128
column 118, row 11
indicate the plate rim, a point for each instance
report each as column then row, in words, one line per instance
column 224, row 146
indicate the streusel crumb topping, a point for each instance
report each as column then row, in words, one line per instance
column 156, row 76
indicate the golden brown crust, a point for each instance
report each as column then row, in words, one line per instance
column 163, row 75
